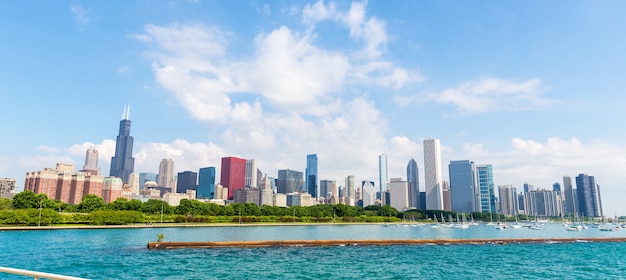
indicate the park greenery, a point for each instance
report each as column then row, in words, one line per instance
column 30, row 209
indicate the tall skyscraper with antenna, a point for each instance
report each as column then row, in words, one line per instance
column 123, row 163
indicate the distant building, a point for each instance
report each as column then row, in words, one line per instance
column 123, row 162
column 187, row 180
column 528, row 187
column 556, row 187
column 369, row 194
column 398, row 194
column 251, row 174
column 299, row 199
column 289, row 181
column 521, row 203
column 350, row 190
column 63, row 183
column 173, row 199
column 267, row 194
column 7, row 187
column 486, row 188
column 132, row 188
column 221, row 193
column 423, row 200
column 91, row 162
column 206, row 183
column 280, row 200
column 412, row 178
column 589, row 201
column 166, row 174
column 311, row 175
column 333, row 197
column 569, row 196
column 251, row 195
column 463, row 191
column 111, row 189
column 233, row 174
column 433, row 177
column 543, row 203
column 508, row 200
column 145, row 177
column 445, row 191
column 383, row 173
column 325, row 186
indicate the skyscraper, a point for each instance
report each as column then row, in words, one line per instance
column 433, row 178
column 569, row 196
column 206, row 183
column 123, row 163
column 325, row 186
column 486, row 188
column 528, row 187
column 369, row 194
column 289, row 181
column 589, row 201
column 251, row 173
column 187, row 180
column 508, row 200
column 166, row 174
column 233, row 174
column 350, row 193
column 398, row 194
column 544, row 203
column 91, row 162
column 311, row 175
column 383, row 173
column 412, row 178
column 463, row 191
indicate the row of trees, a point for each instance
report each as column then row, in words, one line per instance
column 24, row 209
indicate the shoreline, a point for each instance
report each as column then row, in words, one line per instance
column 170, row 225
column 371, row 242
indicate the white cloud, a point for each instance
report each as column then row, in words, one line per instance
column 486, row 95
column 81, row 15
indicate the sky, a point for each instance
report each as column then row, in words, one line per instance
column 534, row 88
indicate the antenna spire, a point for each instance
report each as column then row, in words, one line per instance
column 126, row 113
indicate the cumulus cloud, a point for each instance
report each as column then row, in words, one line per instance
column 487, row 94
column 288, row 71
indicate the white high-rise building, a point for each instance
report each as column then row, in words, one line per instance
column 398, row 194
column 350, row 188
column 383, row 173
column 432, row 171
column 251, row 173
column 369, row 194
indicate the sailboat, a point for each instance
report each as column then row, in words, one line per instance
column 490, row 220
column 436, row 224
column 516, row 225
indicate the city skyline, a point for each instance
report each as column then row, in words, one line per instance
column 345, row 80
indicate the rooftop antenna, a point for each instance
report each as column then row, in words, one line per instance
column 126, row 113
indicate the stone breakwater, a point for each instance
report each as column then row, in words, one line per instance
column 383, row 242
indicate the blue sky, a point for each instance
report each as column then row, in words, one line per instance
column 534, row 88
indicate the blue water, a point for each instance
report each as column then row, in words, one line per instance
column 122, row 254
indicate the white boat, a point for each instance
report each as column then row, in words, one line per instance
column 536, row 227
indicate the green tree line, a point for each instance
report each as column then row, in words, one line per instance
column 28, row 208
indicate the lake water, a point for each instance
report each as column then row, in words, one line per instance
column 122, row 254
